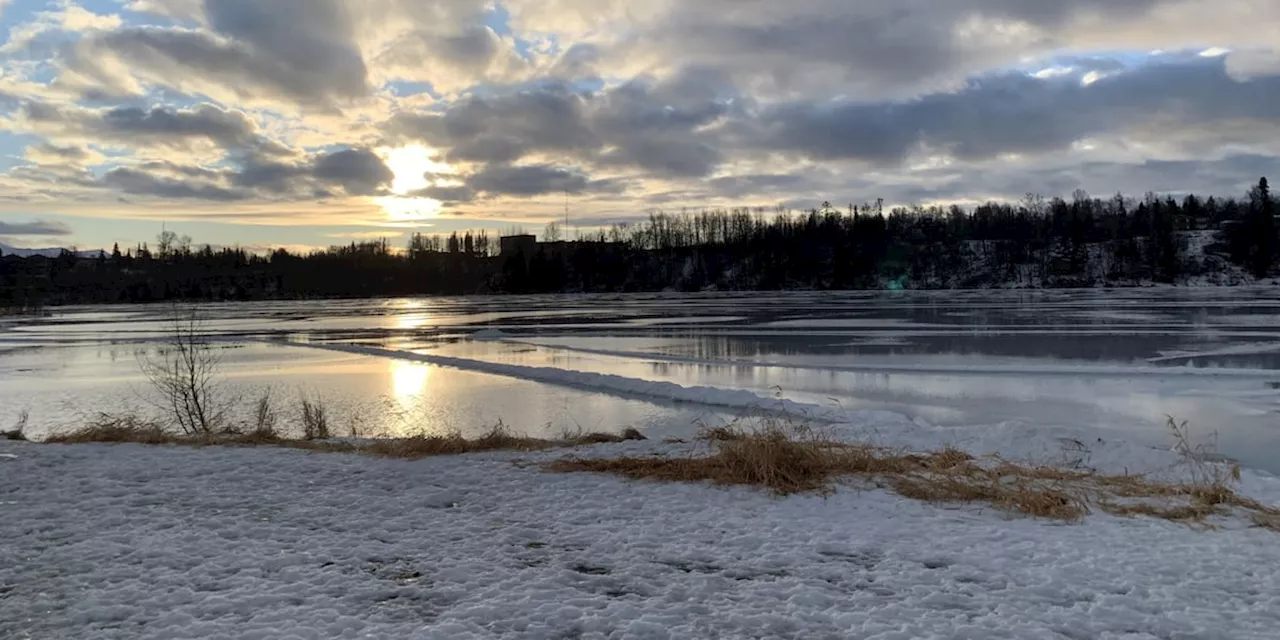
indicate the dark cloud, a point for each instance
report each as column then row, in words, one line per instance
column 359, row 171
column 1016, row 113
column 137, row 182
column 68, row 153
column 644, row 124
column 354, row 171
column 267, row 175
column 505, row 128
column 310, row 40
column 226, row 128
column 34, row 228
column 448, row 194
column 531, row 180
column 828, row 47
column 189, row 61
column 157, row 125
column 755, row 184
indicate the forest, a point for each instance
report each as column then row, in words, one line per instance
column 1034, row 243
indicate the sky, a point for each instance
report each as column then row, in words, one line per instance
column 305, row 123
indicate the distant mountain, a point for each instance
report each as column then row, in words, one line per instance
column 51, row 252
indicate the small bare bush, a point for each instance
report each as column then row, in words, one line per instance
column 185, row 373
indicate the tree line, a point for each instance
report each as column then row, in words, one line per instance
column 1078, row 242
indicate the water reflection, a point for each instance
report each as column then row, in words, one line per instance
column 408, row 382
column 809, row 346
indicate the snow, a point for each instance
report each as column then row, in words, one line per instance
column 618, row 385
column 133, row 542
column 1074, row 370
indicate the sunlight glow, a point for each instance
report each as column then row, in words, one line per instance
column 410, row 166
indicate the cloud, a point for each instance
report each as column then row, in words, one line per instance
column 273, row 110
column 199, row 63
column 160, row 125
column 346, row 172
column 34, row 228
column 647, row 124
column 531, row 180
column 891, row 48
column 1017, row 113
column 359, row 171
column 139, row 182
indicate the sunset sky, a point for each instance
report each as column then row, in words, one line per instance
column 313, row 122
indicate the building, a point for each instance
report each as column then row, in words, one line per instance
column 511, row 245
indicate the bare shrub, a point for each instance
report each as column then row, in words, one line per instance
column 185, row 373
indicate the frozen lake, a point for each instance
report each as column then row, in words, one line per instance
column 1115, row 360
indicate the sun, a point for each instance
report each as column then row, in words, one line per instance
column 410, row 166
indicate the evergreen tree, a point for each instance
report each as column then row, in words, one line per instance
column 1262, row 229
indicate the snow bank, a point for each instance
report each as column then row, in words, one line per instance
column 1072, row 370
column 128, row 542
column 619, row 385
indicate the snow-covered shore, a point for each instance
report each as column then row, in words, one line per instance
column 128, row 541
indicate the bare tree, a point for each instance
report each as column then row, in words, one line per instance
column 185, row 373
column 552, row 232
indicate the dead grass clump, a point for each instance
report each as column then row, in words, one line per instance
column 783, row 461
column 786, row 460
column 265, row 417
column 578, row 438
column 315, row 420
column 262, row 432
column 499, row 438
column 1014, row 494
column 110, row 429
column 720, row 434
column 772, row 459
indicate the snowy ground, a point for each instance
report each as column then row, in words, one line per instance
column 135, row 542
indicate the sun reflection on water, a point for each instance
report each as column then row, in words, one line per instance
column 408, row 382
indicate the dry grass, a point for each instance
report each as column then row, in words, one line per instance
column 575, row 438
column 130, row 429
column 315, row 420
column 118, row 430
column 786, row 459
column 499, row 438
